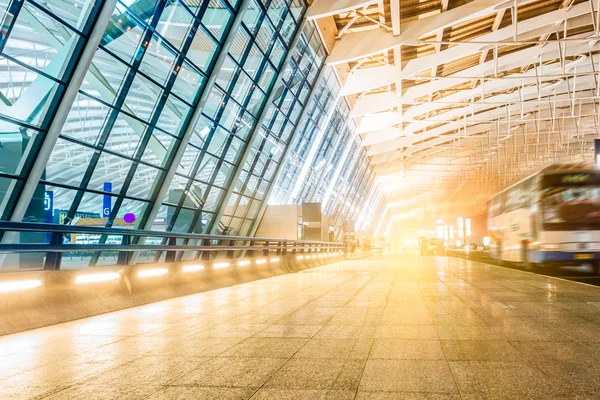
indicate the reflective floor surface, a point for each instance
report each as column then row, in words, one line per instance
column 387, row 327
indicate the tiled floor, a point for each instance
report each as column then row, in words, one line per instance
column 389, row 327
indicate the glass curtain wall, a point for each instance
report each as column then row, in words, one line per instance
column 136, row 101
column 154, row 113
column 316, row 152
column 40, row 44
column 322, row 167
column 347, row 171
column 279, row 122
column 311, row 123
column 345, row 206
column 235, row 103
column 372, row 218
column 369, row 208
column 333, row 162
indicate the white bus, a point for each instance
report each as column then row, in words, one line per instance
column 551, row 218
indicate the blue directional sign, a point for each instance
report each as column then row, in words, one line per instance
column 48, row 206
column 106, row 201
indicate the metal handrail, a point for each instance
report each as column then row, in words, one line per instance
column 173, row 245
column 96, row 230
column 66, row 248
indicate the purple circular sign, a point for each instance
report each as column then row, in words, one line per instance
column 129, row 218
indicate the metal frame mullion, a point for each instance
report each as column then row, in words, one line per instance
column 265, row 140
column 13, row 11
column 350, row 182
column 154, row 120
column 340, row 166
column 376, row 216
column 363, row 192
column 376, row 199
column 239, row 168
column 270, row 160
column 189, row 132
column 162, row 101
column 364, row 206
column 257, row 127
column 362, row 184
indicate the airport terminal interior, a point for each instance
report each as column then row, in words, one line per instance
column 299, row 199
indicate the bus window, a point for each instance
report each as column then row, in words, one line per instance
column 570, row 207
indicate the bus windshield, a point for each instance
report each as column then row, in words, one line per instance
column 571, row 207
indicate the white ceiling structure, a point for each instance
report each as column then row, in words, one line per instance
column 456, row 99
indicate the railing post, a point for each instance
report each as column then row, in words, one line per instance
column 266, row 251
column 250, row 253
column 171, row 254
column 53, row 259
column 123, row 257
column 284, row 250
column 204, row 255
column 230, row 253
column 278, row 251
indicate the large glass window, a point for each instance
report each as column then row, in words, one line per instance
column 568, row 207
column 275, row 133
column 236, row 102
column 323, row 98
column 40, row 44
column 147, row 135
column 132, row 110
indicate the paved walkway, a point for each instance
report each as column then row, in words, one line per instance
column 389, row 327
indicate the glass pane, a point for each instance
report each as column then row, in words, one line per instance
column 175, row 22
column 188, row 83
column 53, row 44
column 252, row 16
column 124, row 33
column 68, row 163
column 216, row 19
column 105, row 76
column 202, row 50
column 158, row 60
column 143, row 182
column 238, row 47
column 112, row 169
column 142, row 97
column 75, row 12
